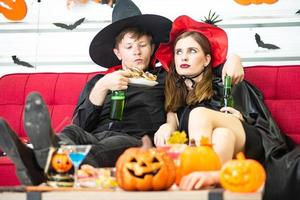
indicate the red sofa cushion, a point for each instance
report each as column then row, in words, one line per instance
column 59, row 90
column 280, row 87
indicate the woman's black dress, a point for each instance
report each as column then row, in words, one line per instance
column 264, row 140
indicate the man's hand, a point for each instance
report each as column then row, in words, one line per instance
column 113, row 81
column 117, row 80
column 233, row 67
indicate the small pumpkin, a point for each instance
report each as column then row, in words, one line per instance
column 61, row 162
column 248, row 2
column 145, row 169
column 242, row 175
column 198, row 158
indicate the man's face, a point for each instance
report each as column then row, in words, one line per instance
column 134, row 52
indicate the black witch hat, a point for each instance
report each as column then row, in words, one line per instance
column 126, row 15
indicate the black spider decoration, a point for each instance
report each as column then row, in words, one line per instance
column 212, row 18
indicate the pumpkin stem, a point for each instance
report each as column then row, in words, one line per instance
column 240, row 156
column 147, row 144
column 204, row 141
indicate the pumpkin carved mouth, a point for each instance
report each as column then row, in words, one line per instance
column 153, row 173
column 140, row 169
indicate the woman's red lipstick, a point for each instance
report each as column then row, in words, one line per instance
column 184, row 65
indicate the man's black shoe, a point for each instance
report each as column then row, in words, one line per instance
column 38, row 127
column 28, row 170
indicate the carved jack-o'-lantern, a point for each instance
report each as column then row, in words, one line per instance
column 242, row 175
column 198, row 158
column 145, row 169
column 61, row 162
column 248, row 2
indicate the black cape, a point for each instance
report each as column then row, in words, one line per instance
column 279, row 154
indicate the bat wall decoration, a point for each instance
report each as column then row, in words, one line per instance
column 20, row 62
column 298, row 12
column 261, row 44
column 70, row 26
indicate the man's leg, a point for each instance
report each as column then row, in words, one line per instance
column 38, row 127
column 28, row 170
column 74, row 134
column 110, row 146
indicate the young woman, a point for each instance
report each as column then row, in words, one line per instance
column 193, row 95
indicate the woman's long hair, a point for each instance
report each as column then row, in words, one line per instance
column 176, row 92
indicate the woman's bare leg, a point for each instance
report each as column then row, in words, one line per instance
column 225, row 131
column 223, row 141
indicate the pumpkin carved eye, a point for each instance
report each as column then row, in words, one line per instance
column 155, row 160
column 133, row 160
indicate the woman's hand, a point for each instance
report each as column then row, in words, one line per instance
column 233, row 67
column 233, row 111
column 162, row 134
column 197, row 180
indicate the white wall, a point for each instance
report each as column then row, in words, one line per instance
column 49, row 48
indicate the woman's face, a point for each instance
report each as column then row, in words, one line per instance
column 189, row 57
column 134, row 52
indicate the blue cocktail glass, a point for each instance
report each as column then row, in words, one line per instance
column 76, row 153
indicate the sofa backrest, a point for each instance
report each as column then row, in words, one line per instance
column 279, row 84
column 59, row 90
column 281, row 89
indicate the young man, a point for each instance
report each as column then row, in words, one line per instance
column 126, row 43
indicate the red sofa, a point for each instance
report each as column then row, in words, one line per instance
column 61, row 90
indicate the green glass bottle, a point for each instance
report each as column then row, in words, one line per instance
column 117, row 105
column 227, row 92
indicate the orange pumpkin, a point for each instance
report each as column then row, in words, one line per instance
column 61, row 162
column 145, row 169
column 248, row 2
column 15, row 10
column 198, row 158
column 242, row 175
